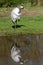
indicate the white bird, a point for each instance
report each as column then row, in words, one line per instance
column 15, row 55
column 15, row 14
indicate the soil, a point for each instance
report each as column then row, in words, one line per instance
column 24, row 13
column 32, row 13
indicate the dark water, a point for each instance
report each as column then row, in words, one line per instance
column 31, row 47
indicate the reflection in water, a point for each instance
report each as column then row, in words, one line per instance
column 30, row 62
column 15, row 54
column 31, row 47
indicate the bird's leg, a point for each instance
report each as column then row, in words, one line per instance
column 16, row 44
column 15, row 25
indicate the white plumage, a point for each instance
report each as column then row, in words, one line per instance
column 15, row 15
column 15, row 55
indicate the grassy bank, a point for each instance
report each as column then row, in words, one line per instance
column 28, row 24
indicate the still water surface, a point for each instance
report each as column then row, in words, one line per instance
column 31, row 48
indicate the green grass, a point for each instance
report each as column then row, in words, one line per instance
column 31, row 24
column 34, row 8
column 26, row 7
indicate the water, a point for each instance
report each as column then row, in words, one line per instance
column 31, row 48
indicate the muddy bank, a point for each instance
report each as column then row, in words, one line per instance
column 31, row 48
column 25, row 12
